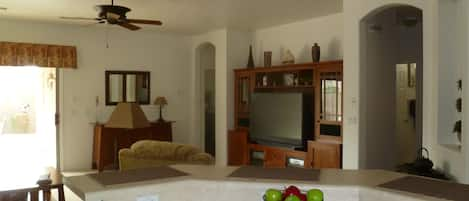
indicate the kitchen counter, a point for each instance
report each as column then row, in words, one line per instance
column 362, row 185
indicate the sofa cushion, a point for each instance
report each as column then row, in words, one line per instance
column 150, row 153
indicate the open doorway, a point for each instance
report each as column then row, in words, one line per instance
column 391, row 86
column 206, row 68
column 27, row 118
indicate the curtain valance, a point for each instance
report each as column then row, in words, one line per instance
column 25, row 54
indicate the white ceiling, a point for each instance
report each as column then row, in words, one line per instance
column 181, row 16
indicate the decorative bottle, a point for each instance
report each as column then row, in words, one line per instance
column 251, row 58
column 316, row 53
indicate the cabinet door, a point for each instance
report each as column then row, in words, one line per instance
column 161, row 131
column 324, row 155
column 243, row 88
column 238, row 149
column 274, row 158
column 329, row 104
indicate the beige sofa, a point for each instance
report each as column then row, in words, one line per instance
column 151, row 153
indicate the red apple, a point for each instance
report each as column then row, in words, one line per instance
column 302, row 197
column 293, row 190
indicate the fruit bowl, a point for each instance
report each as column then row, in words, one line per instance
column 293, row 193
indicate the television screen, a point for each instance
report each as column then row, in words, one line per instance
column 276, row 118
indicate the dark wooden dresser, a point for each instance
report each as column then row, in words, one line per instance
column 108, row 141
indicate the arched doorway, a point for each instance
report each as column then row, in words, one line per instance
column 206, row 93
column 391, row 72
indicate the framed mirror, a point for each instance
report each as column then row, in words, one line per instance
column 127, row 86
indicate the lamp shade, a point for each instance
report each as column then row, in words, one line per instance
column 127, row 115
column 161, row 100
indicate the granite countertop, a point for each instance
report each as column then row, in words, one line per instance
column 85, row 184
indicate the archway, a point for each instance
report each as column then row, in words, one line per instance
column 205, row 71
column 391, row 60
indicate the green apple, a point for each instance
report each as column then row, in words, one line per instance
column 292, row 198
column 272, row 195
column 314, row 195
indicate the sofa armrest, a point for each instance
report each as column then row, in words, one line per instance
column 202, row 158
column 126, row 152
column 124, row 156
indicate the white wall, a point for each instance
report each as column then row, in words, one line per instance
column 449, row 71
column 452, row 57
column 327, row 31
column 166, row 56
column 464, row 10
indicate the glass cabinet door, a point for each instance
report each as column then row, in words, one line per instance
column 243, row 99
column 243, row 96
column 329, row 105
column 331, row 96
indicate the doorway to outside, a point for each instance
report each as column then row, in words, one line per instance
column 27, row 119
column 206, row 68
column 391, row 87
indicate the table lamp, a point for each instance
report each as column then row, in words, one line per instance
column 160, row 101
column 127, row 115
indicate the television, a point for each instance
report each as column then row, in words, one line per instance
column 281, row 119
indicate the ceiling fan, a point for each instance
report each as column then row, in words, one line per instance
column 116, row 15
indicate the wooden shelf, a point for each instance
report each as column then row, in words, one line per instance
column 288, row 67
column 285, row 87
column 308, row 88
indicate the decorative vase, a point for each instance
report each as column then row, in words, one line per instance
column 264, row 80
column 268, row 59
column 251, row 58
column 316, row 52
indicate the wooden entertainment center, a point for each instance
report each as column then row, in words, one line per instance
column 324, row 81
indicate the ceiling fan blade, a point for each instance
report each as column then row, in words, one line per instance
column 129, row 26
column 152, row 22
column 80, row 18
column 95, row 23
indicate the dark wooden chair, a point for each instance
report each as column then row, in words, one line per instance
column 53, row 180
column 20, row 195
column 46, row 188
